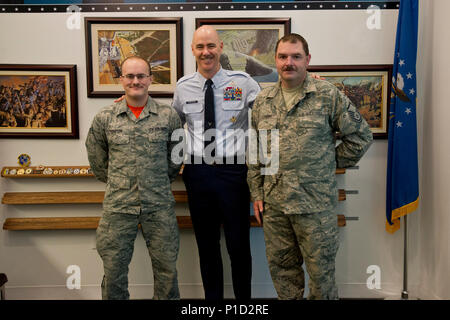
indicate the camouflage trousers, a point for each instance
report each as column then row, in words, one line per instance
column 292, row 239
column 115, row 238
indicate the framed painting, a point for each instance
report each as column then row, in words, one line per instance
column 38, row 101
column 109, row 41
column 249, row 44
column 368, row 87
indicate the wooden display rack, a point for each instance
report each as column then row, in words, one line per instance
column 38, row 172
column 86, row 197
column 75, row 197
column 91, row 223
column 68, row 197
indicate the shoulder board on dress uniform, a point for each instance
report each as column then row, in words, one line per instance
column 185, row 78
column 237, row 73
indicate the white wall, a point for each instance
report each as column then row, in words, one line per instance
column 36, row 261
column 434, row 220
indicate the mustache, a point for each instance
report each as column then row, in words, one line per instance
column 289, row 68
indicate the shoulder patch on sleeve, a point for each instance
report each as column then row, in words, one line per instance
column 355, row 115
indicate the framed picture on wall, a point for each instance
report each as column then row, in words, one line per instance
column 109, row 41
column 38, row 101
column 368, row 87
column 249, row 44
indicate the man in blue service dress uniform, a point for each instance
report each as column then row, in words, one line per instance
column 215, row 102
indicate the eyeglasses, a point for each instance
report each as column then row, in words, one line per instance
column 139, row 76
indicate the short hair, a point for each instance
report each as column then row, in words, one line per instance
column 294, row 38
column 139, row 58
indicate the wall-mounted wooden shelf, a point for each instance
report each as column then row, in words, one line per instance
column 86, row 197
column 91, row 223
column 69, row 197
column 62, row 172
column 53, row 197
column 36, row 172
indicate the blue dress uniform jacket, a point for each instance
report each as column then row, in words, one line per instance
column 234, row 94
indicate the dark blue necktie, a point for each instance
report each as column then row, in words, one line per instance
column 210, row 122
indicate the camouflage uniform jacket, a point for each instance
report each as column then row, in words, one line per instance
column 305, row 181
column 133, row 156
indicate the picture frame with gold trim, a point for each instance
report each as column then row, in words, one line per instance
column 38, row 101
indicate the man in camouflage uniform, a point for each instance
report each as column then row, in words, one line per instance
column 298, row 201
column 129, row 147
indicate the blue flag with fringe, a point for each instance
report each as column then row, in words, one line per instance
column 402, row 189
